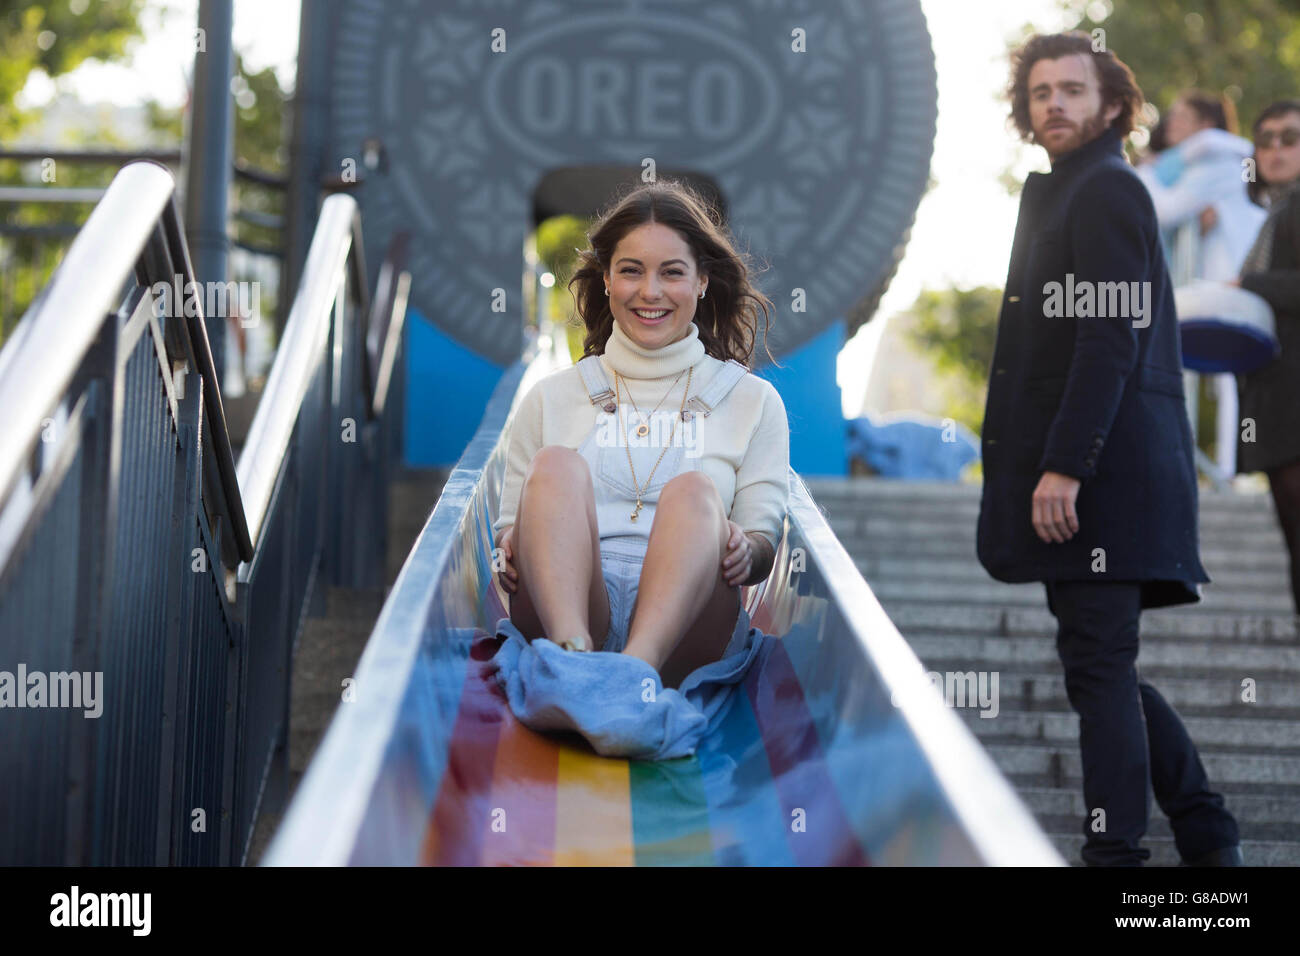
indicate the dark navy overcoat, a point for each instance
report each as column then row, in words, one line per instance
column 1087, row 381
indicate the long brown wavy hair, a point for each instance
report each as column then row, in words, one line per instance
column 727, row 316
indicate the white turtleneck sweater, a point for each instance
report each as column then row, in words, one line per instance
column 744, row 442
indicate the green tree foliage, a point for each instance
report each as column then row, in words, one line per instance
column 1248, row 49
column 103, row 31
column 57, row 36
column 558, row 241
column 957, row 329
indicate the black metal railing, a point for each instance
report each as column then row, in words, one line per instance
column 138, row 556
column 30, row 250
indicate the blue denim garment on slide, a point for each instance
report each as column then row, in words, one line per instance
column 616, row 701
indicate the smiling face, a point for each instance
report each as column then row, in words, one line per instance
column 1065, row 105
column 1278, row 162
column 654, row 285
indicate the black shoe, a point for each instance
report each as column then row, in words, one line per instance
column 1227, row 856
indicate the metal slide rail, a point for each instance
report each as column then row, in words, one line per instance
column 134, row 551
column 914, row 783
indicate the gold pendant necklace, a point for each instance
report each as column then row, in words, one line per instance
column 640, row 490
column 644, row 428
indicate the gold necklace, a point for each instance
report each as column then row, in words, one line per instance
column 618, row 398
column 644, row 428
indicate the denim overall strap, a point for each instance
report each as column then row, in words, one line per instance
column 593, row 377
column 723, row 382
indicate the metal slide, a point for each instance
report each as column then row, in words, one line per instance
column 837, row 752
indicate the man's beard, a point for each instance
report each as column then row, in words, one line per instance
column 1092, row 127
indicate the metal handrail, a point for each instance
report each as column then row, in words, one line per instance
column 242, row 170
column 40, row 359
column 301, row 348
column 213, row 407
column 47, row 347
column 388, row 317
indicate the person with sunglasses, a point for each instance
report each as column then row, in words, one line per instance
column 1270, row 396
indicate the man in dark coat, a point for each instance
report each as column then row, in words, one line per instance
column 1089, row 479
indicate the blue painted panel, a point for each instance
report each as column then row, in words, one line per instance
column 808, row 386
column 447, row 388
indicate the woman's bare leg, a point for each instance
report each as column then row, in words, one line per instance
column 561, row 591
column 685, row 610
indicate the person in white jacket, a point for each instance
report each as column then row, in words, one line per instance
column 1199, row 191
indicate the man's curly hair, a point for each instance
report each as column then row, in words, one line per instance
column 1117, row 82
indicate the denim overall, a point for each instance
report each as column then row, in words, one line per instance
column 606, row 448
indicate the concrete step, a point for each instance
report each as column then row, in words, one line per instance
column 945, row 555
column 412, row 494
column 880, row 566
column 852, row 529
column 858, row 517
column 1194, row 657
column 1026, row 691
column 959, row 542
column 1223, row 767
column 944, row 493
column 1250, row 734
column 1214, row 598
column 948, row 496
column 1164, row 853
column 1159, row 828
column 1048, row 803
column 992, row 620
column 347, row 606
column 326, row 655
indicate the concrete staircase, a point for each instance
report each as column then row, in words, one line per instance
column 330, row 647
column 915, row 545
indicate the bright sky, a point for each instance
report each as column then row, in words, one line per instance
column 963, row 227
column 965, row 224
column 266, row 34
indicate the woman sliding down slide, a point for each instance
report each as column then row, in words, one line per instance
column 655, row 467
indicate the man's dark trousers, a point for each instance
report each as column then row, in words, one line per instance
column 1131, row 740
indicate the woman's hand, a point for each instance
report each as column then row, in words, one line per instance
column 509, row 577
column 738, row 563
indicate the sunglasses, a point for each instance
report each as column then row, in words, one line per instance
column 1289, row 137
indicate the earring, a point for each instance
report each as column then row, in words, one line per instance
column 701, row 294
column 606, row 290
